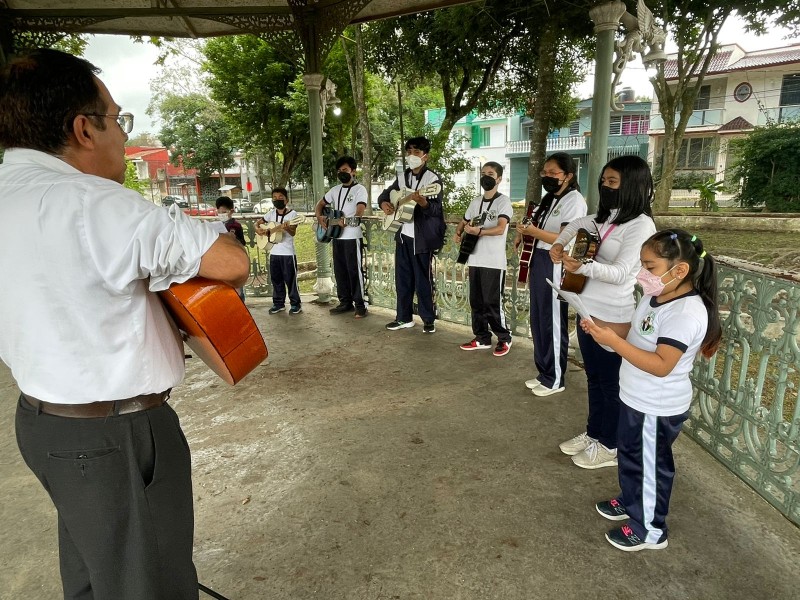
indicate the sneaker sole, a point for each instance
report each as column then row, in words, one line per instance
column 476, row 348
column 610, row 517
column 644, row 546
column 571, row 452
column 501, row 353
column 608, row 463
column 542, row 391
column 406, row 326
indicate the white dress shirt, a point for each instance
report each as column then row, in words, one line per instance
column 77, row 256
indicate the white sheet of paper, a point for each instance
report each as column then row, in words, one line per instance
column 574, row 300
column 218, row 226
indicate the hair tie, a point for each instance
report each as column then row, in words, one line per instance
column 703, row 254
column 673, row 236
column 694, row 239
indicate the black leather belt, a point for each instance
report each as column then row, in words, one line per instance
column 99, row 410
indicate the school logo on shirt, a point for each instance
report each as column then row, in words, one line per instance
column 491, row 215
column 557, row 211
column 647, row 326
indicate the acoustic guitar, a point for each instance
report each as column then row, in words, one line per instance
column 335, row 222
column 404, row 206
column 217, row 326
column 470, row 240
column 525, row 257
column 584, row 250
column 267, row 236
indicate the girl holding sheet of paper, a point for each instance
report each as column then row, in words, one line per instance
column 623, row 222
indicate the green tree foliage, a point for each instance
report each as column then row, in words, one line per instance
column 769, row 167
column 196, row 134
column 132, row 181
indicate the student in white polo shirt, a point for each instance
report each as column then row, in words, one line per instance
column 487, row 263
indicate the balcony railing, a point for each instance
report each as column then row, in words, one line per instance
column 778, row 114
column 573, row 142
column 746, row 410
column 712, row 117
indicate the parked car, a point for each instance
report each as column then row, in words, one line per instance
column 263, row 207
column 204, row 210
column 170, row 200
column 243, row 206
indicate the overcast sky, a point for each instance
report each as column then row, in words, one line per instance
column 128, row 67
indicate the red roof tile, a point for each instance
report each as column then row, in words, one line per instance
column 719, row 64
column 737, row 124
column 767, row 58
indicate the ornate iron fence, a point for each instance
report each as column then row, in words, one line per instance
column 746, row 410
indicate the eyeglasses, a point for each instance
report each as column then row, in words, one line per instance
column 551, row 174
column 124, row 120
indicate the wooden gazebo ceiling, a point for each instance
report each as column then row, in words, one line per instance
column 202, row 18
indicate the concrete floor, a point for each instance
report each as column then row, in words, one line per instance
column 359, row 463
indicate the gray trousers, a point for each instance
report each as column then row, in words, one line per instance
column 123, row 490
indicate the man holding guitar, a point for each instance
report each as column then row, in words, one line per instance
column 418, row 241
column 350, row 200
column 487, row 262
column 86, row 338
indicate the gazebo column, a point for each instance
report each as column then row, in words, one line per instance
column 313, row 83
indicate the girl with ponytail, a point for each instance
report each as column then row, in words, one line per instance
column 676, row 319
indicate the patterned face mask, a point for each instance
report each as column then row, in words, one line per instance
column 652, row 285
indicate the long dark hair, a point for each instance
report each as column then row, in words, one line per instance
column 677, row 245
column 636, row 190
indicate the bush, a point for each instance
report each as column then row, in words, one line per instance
column 689, row 180
column 769, row 166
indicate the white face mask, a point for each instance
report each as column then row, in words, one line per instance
column 223, row 216
column 414, row 161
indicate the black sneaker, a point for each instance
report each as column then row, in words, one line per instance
column 395, row 325
column 429, row 328
column 276, row 309
column 342, row 308
column 612, row 510
column 361, row 312
column 295, row 310
column 626, row 540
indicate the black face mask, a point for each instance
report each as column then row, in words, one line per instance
column 279, row 204
column 609, row 198
column 488, row 182
column 551, row 185
column 343, row 177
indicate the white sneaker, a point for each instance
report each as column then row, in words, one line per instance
column 595, row 457
column 577, row 444
column 543, row 390
column 532, row 384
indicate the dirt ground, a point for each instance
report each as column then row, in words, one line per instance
column 358, row 463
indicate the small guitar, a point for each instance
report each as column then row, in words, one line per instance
column 217, row 326
column 267, row 236
column 584, row 250
column 335, row 222
column 528, row 242
column 470, row 240
column 404, row 206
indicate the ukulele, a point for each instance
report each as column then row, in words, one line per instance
column 470, row 240
column 404, row 206
column 584, row 250
column 216, row 325
column 267, row 237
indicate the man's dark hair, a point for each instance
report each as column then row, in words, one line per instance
column 498, row 168
column 280, row 190
column 41, row 93
column 225, row 201
column 419, row 143
column 346, row 160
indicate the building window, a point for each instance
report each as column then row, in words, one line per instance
column 790, row 90
column 703, row 100
column 628, row 125
column 486, row 136
column 575, row 128
column 697, row 153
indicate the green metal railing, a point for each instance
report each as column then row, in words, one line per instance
column 746, row 410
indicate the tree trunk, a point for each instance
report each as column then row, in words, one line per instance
column 543, row 108
column 355, row 66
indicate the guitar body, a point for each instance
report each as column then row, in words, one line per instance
column 470, row 240
column 404, row 206
column 333, row 231
column 217, row 326
column 584, row 249
column 525, row 258
column 267, row 237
